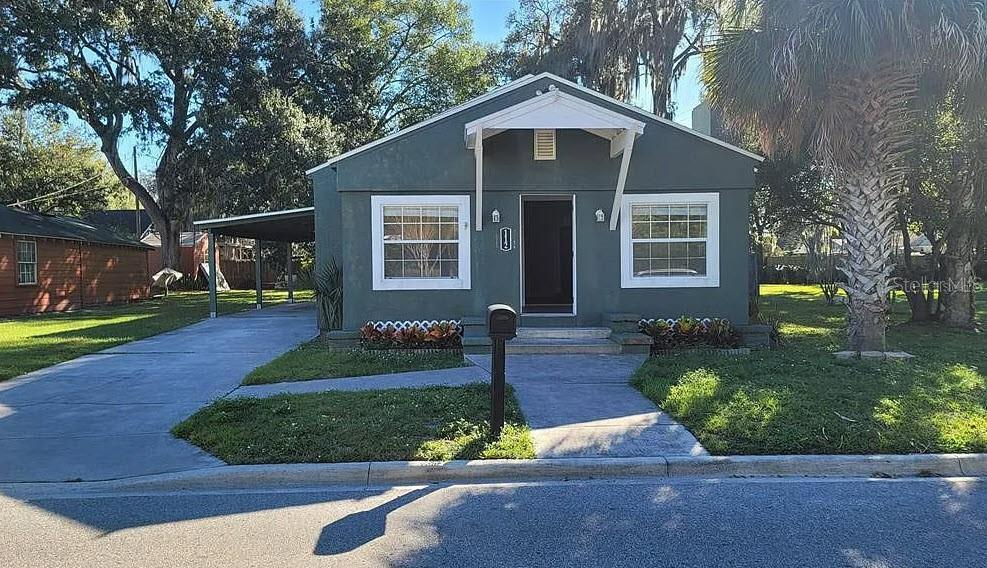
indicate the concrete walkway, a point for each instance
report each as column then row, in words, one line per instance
column 583, row 406
column 108, row 415
column 576, row 405
column 454, row 377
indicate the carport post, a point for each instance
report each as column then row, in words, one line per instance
column 257, row 275
column 212, row 274
column 291, row 277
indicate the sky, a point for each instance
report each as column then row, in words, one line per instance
column 489, row 26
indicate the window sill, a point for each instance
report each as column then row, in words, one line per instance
column 673, row 282
column 422, row 284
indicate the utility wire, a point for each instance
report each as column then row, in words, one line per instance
column 56, row 193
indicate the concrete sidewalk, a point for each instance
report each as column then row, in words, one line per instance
column 108, row 415
column 457, row 376
column 584, row 406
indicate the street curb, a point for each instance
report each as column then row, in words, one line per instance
column 363, row 474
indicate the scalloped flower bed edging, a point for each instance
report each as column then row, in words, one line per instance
column 412, row 336
column 735, row 352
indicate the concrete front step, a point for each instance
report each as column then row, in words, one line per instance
column 563, row 333
column 562, row 346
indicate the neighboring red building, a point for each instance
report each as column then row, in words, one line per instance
column 50, row 263
column 194, row 250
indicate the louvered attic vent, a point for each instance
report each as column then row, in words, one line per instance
column 544, row 144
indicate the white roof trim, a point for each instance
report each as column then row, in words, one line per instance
column 660, row 119
column 271, row 215
column 461, row 107
column 516, row 85
column 553, row 110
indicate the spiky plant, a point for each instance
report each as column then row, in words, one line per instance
column 329, row 296
column 839, row 79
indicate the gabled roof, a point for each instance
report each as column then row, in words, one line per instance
column 527, row 80
column 19, row 222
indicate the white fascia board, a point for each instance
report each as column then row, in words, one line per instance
column 454, row 110
column 554, row 110
column 655, row 117
column 271, row 215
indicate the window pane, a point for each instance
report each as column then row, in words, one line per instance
column 430, row 214
column 641, row 267
column 640, row 213
column 412, row 269
column 697, row 212
column 412, row 231
column 392, row 214
column 679, row 267
column 659, row 250
column 430, row 231
column 697, row 229
column 697, row 250
column 448, row 252
column 392, row 231
column 678, row 250
column 450, row 268
column 449, row 231
column 679, row 230
column 393, row 269
column 450, row 214
column 430, row 269
column 679, row 213
column 640, row 230
column 393, row 251
column 642, row 250
column 698, row 266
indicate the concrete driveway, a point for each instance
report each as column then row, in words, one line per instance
column 108, row 415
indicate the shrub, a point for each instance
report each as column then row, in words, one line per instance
column 411, row 335
column 688, row 332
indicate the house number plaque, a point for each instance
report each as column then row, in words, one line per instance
column 506, row 239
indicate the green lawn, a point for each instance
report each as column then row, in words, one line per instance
column 436, row 423
column 33, row 342
column 801, row 399
column 314, row 361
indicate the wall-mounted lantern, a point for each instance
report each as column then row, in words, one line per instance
column 601, row 217
column 495, row 216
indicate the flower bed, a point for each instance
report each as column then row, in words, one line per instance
column 419, row 335
column 688, row 333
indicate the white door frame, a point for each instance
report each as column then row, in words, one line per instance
column 570, row 197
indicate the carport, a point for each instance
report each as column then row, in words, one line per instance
column 289, row 227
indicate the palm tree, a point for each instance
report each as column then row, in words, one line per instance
column 839, row 78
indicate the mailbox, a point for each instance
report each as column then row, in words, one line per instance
column 501, row 321
column 501, row 326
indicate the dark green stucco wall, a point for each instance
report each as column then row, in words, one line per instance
column 434, row 159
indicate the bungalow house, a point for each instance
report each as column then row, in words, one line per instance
column 50, row 263
column 579, row 210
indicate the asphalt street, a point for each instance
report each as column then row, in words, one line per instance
column 683, row 523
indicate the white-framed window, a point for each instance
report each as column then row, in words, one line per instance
column 670, row 240
column 420, row 242
column 27, row 263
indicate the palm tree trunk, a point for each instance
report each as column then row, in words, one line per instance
column 869, row 214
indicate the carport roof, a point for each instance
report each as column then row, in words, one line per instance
column 290, row 225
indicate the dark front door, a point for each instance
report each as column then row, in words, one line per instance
column 547, row 236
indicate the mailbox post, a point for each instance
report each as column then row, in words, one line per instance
column 501, row 326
